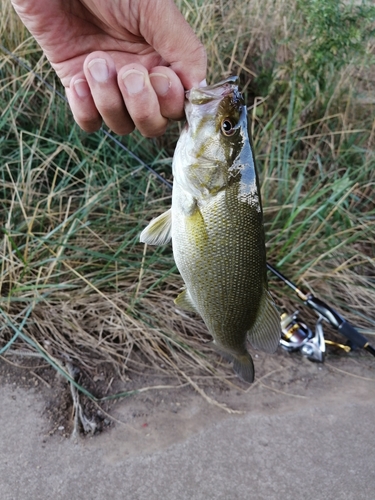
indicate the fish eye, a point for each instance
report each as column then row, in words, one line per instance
column 227, row 127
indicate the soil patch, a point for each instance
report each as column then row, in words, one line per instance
column 170, row 409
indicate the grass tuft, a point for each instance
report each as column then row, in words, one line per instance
column 73, row 274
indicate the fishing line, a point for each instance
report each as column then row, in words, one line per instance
column 105, row 132
column 325, row 311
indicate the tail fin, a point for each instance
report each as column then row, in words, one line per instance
column 243, row 365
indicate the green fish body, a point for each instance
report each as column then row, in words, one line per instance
column 216, row 226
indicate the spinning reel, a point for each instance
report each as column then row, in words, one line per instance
column 297, row 336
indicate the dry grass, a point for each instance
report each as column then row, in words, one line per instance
column 74, row 277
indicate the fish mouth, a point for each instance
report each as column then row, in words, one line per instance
column 202, row 95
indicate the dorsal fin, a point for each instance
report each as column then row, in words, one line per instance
column 266, row 332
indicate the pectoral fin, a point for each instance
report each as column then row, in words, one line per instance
column 158, row 232
column 184, row 301
column 266, row 332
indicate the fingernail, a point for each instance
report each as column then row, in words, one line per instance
column 82, row 87
column 134, row 81
column 160, row 83
column 203, row 83
column 99, row 70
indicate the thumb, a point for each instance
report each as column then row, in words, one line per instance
column 165, row 29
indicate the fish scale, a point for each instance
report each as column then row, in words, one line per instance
column 224, row 264
column 216, row 227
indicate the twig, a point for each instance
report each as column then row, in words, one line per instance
column 207, row 398
column 41, row 379
column 350, row 374
column 259, row 380
column 282, row 392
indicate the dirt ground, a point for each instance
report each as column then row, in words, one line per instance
column 311, row 423
column 279, row 378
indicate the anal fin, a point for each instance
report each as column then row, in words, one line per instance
column 184, row 301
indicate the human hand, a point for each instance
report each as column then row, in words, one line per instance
column 126, row 62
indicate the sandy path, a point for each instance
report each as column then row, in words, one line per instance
column 320, row 446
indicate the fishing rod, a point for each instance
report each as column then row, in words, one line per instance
column 325, row 312
column 296, row 335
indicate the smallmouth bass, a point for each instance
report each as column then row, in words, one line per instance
column 216, row 227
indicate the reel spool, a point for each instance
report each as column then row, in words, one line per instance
column 297, row 336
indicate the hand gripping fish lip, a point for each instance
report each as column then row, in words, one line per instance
column 213, row 92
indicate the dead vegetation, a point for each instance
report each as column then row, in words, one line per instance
column 79, row 289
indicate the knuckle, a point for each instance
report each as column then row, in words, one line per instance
column 121, row 129
column 144, row 118
column 89, row 127
column 149, row 126
column 89, row 123
column 156, row 132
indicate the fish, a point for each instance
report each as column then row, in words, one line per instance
column 216, row 227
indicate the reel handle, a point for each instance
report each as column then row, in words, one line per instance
column 354, row 336
column 337, row 321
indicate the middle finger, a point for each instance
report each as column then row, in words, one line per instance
column 141, row 100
